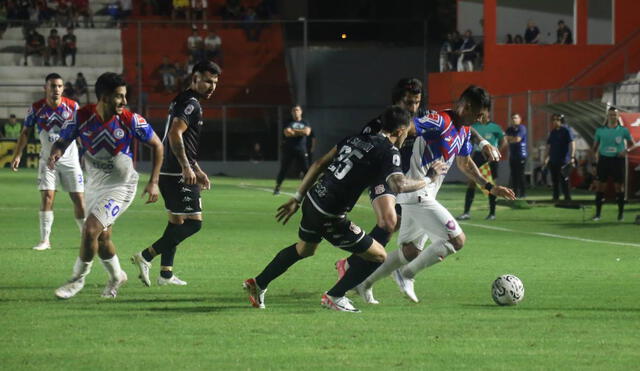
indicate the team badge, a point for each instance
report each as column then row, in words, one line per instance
column 618, row 140
column 66, row 115
column 451, row 225
column 189, row 109
column 118, row 133
column 379, row 189
column 354, row 228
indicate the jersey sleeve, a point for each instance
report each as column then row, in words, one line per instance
column 390, row 163
column 467, row 147
column 185, row 109
column 141, row 128
column 430, row 125
column 30, row 119
column 499, row 134
column 69, row 130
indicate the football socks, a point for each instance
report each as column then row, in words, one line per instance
column 435, row 253
column 395, row 260
column 280, row 263
column 359, row 269
column 380, row 235
column 46, row 221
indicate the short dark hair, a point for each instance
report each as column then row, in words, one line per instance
column 476, row 96
column 107, row 83
column 558, row 116
column 395, row 117
column 613, row 108
column 52, row 76
column 404, row 87
column 204, row 66
column 12, row 116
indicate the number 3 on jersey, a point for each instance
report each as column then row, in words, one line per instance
column 343, row 164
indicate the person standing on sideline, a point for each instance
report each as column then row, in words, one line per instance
column 12, row 128
column 181, row 178
column 106, row 132
column 516, row 136
column 561, row 156
column 50, row 115
column 492, row 133
column 611, row 144
column 347, row 169
column 294, row 147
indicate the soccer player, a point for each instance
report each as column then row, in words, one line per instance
column 493, row 134
column 106, row 132
column 442, row 137
column 355, row 163
column 612, row 142
column 181, row 178
column 294, row 147
column 49, row 115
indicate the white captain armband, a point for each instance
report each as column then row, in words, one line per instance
column 483, row 143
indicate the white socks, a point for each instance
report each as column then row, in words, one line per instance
column 395, row 260
column 81, row 269
column 113, row 268
column 80, row 223
column 435, row 253
column 46, row 221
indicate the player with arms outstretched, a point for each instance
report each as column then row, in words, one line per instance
column 106, row 131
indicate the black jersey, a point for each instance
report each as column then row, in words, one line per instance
column 186, row 107
column 296, row 143
column 361, row 160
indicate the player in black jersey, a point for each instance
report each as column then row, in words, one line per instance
column 355, row 163
column 180, row 176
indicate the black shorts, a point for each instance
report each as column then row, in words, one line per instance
column 380, row 190
column 339, row 231
column 479, row 159
column 180, row 198
column 611, row 167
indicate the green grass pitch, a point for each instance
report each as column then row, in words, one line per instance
column 581, row 308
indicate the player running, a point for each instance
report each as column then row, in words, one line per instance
column 106, row 131
column 49, row 115
column 355, row 163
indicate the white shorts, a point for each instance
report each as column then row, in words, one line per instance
column 108, row 202
column 426, row 220
column 68, row 177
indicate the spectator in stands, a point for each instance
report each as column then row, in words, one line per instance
column 182, row 75
column 63, row 13
column 181, row 8
column 199, row 11
column 213, row 47
column 251, row 28
column 561, row 156
column 3, row 19
column 22, row 10
column 445, row 49
column 467, row 52
column 69, row 91
column 12, row 128
column 532, row 33
column 167, row 72
column 82, row 8
column 54, row 47
column 518, row 39
column 195, row 45
column 45, row 12
column 232, row 10
column 126, row 8
column 256, row 154
column 508, row 39
column 114, row 11
column 516, row 136
column 81, row 87
column 69, row 47
column 563, row 34
column 454, row 55
column 35, row 44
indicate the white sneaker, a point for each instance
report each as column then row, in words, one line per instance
column 111, row 289
column 143, row 266
column 366, row 294
column 406, row 285
column 464, row 216
column 341, row 304
column 174, row 280
column 70, row 288
column 44, row 245
column 256, row 294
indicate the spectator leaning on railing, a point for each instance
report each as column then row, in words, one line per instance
column 467, row 53
column 532, row 33
column 563, row 34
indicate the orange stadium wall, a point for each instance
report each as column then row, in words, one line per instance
column 510, row 69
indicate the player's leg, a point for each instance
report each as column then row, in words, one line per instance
column 45, row 215
column 555, row 180
column 78, row 207
column 72, row 181
column 492, row 199
column 469, row 195
column 285, row 163
column 186, row 226
column 601, row 177
column 111, row 263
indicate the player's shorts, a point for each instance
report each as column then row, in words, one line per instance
column 108, row 202
column 380, row 190
column 67, row 177
column 479, row 159
column 180, row 198
column 611, row 167
column 338, row 230
column 426, row 220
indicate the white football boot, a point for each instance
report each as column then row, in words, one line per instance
column 174, row 280
column 256, row 294
column 366, row 293
column 43, row 245
column 111, row 289
column 143, row 266
column 340, row 304
column 70, row 288
column 406, row 285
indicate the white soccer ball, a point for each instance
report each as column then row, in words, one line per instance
column 507, row 290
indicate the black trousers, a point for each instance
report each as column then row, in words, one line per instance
column 559, row 181
column 517, row 181
column 288, row 157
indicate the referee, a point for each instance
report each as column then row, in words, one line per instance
column 294, row 147
column 611, row 143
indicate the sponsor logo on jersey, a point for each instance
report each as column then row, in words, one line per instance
column 379, row 189
column 189, row 109
column 186, row 199
column 118, row 133
column 354, row 228
column 188, row 208
column 185, row 189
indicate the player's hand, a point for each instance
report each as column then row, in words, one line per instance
column 15, row 163
column 188, row 176
column 53, row 158
column 503, row 192
column 491, row 153
column 286, row 210
column 203, row 180
column 152, row 190
column 438, row 168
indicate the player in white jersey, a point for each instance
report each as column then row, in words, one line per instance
column 48, row 115
column 442, row 137
column 106, row 132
